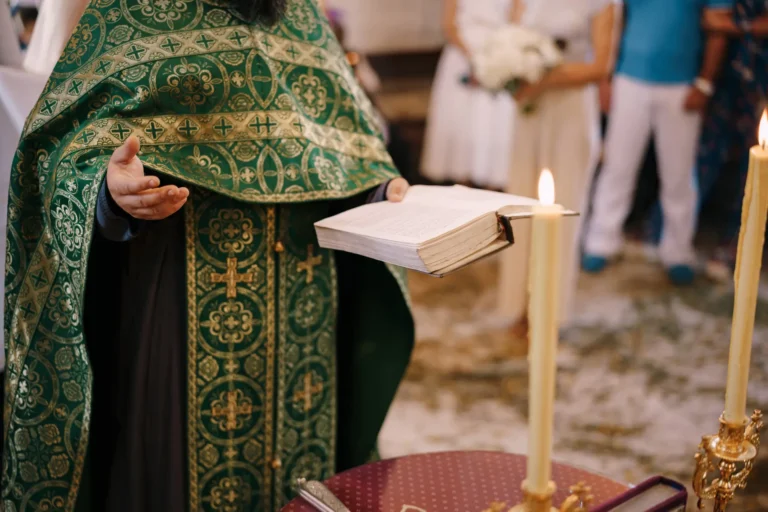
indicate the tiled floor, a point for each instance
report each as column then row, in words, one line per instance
column 641, row 376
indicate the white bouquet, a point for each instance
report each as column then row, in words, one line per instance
column 513, row 56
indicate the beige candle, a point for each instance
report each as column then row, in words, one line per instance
column 543, row 317
column 748, row 263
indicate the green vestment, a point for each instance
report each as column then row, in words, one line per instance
column 267, row 126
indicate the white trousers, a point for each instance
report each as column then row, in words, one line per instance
column 563, row 136
column 638, row 110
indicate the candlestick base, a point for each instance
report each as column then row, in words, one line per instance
column 731, row 454
column 578, row 501
column 533, row 502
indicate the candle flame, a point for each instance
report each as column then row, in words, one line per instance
column 546, row 188
column 762, row 133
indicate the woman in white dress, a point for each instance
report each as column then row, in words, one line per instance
column 468, row 128
column 561, row 134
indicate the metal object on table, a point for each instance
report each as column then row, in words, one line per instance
column 320, row 497
column 580, row 499
column 730, row 455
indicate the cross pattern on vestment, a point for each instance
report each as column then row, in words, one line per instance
column 309, row 391
column 120, row 131
column 232, row 278
column 136, row 52
column 188, row 128
column 258, row 124
column 310, row 263
column 170, row 45
column 235, row 407
column 238, row 38
column 103, row 67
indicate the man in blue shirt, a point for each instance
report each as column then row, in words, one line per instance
column 663, row 82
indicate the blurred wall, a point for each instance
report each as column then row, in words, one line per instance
column 391, row 26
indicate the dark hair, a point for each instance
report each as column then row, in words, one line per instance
column 265, row 11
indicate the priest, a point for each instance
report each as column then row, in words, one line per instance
column 176, row 338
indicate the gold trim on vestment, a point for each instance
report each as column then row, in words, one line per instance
column 190, row 226
column 231, row 127
column 272, row 338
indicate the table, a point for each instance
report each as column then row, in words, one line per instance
column 449, row 482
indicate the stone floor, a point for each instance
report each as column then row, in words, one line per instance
column 641, row 375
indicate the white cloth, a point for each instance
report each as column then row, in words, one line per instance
column 468, row 129
column 55, row 23
column 638, row 110
column 563, row 135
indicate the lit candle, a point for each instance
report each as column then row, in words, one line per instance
column 543, row 317
column 748, row 262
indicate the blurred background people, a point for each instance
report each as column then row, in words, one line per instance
column 662, row 87
column 27, row 17
column 734, row 113
column 561, row 134
column 468, row 128
column 729, row 130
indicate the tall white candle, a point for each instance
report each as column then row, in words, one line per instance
column 543, row 318
column 748, row 263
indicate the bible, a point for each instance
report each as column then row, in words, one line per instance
column 435, row 230
column 657, row 494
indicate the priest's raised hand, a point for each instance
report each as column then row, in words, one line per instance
column 138, row 195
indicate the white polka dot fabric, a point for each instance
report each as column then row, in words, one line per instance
column 449, row 482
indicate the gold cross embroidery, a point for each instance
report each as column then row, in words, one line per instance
column 236, row 406
column 309, row 265
column 232, row 278
column 309, row 391
column 231, row 366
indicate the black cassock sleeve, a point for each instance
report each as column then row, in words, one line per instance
column 113, row 223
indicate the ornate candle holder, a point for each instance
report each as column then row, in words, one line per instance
column 731, row 453
column 579, row 500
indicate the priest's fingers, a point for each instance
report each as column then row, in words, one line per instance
column 121, row 184
column 150, row 198
column 159, row 212
column 127, row 152
column 397, row 189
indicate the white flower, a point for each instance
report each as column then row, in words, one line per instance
column 514, row 53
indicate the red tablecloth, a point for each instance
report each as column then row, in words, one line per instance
column 449, row 482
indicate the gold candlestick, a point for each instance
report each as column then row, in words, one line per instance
column 580, row 498
column 731, row 453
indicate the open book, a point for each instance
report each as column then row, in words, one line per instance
column 435, row 230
